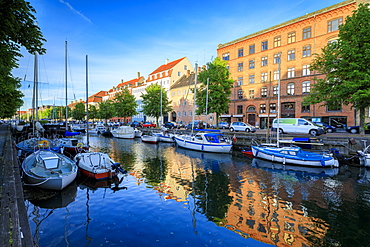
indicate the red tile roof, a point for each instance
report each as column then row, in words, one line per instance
column 167, row 66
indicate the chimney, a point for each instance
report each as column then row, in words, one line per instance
column 138, row 75
column 188, row 73
column 166, row 61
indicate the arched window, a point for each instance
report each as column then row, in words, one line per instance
column 306, row 86
column 290, row 88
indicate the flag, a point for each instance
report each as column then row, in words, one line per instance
column 234, row 138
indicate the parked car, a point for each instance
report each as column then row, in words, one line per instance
column 222, row 125
column 135, row 124
column 149, row 125
column 297, row 126
column 170, row 125
column 356, row 129
column 198, row 124
column 240, row 126
column 327, row 127
column 180, row 124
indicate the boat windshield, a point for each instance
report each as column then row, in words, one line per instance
column 214, row 138
column 51, row 163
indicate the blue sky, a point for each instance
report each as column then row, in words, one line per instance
column 124, row 37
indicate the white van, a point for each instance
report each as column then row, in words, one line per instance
column 297, row 125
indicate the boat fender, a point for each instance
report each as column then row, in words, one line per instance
column 44, row 144
column 117, row 166
column 78, row 160
column 79, row 145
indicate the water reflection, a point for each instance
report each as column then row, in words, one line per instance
column 271, row 204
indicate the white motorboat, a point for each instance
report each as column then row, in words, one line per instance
column 72, row 146
column 207, row 142
column 97, row 165
column 364, row 157
column 49, row 170
column 150, row 138
column 138, row 133
column 165, row 136
column 125, row 132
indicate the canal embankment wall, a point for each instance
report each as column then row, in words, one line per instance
column 14, row 226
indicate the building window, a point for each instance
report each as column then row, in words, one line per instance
column 251, row 64
column 263, row 108
column 241, row 52
column 277, row 41
column 306, row 87
column 240, row 94
column 190, row 113
column 240, row 67
column 275, row 90
column 306, row 51
column 291, row 37
column 252, row 49
column 240, row 81
column 179, row 114
column 291, row 72
column 251, row 79
column 264, row 92
column 239, row 109
column 184, row 113
column 179, row 92
column 305, row 108
column 332, row 41
column 333, row 25
column 276, row 58
column 264, row 61
column 251, row 93
column 291, row 55
column 179, row 73
column 276, row 75
column 251, row 109
column 290, row 88
column 273, row 108
column 306, row 33
column 226, row 56
column 306, row 70
column 264, row 45
column 264, row 77
column 288, row 106
column 185, row 67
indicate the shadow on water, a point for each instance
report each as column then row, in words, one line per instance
column 173, row 196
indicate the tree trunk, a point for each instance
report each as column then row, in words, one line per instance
column 362, row 121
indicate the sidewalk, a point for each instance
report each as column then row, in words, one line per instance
column 14, row 226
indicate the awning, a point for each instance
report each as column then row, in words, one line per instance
column 265, row 115
column 238, row 115
column 225, row 116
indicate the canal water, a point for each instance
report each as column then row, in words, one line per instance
column 176, row 197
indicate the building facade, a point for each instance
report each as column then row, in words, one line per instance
column 282, row 55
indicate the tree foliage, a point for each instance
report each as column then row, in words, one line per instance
column 93, row 112
column 106, row 110
column 219, row 88
column 152, row 102
column 18, row 29
column 346, row 66
column 79, row 112
column 125, row 104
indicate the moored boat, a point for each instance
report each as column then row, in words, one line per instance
column 294, row 155
column 125, row 132
column 150, row 138
column 72, row 146
column 49, row 170
column 207, row 142
column 97, row 165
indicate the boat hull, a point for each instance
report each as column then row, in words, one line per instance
column 150, row 139
column 311, row 159
column 96, row 165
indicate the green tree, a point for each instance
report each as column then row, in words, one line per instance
column 219, row 88
column 345, row 66
column 106, row 110
column 93, row 112
column 152, row 102
column 18, row 29
column 79, row 112
column 125, row 104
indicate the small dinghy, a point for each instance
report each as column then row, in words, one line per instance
column 97, row 165
column 49, row 170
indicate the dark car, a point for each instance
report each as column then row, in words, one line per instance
column 135, row 124
column 356, row 129
column 327, row 127
column 170, row 125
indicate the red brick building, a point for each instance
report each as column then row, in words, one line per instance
column 253, row 61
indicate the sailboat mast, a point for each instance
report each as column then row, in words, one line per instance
column 278, row 105
column 195, row 96
column 87, row 100
column 65, row 61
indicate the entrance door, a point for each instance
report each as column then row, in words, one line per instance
column 252, row 119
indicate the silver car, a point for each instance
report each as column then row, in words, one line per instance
column 240, row 126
